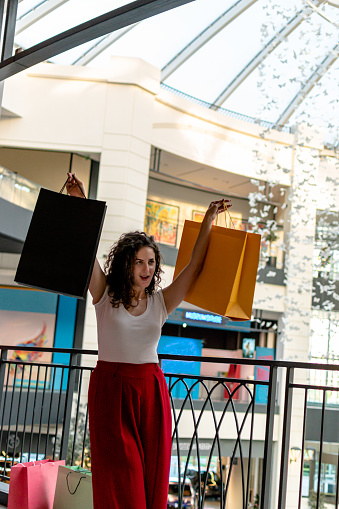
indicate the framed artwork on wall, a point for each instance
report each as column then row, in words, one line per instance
column 161, row 221
column 198, row 216
column 248, row 347
column 27, row 318
column 35, row 318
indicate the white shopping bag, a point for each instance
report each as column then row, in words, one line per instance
column 73, row 489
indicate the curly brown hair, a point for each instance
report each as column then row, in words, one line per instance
column 119, row 267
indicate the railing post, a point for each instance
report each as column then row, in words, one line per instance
column 73, row 366
column 285, row 446
column 268, row 451
column 3, row 359
column 7, row 41
column 9, row 30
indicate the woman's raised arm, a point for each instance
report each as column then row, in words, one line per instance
column 176, row 292
column 97, row 283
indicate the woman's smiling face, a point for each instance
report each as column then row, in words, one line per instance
column 144, row 267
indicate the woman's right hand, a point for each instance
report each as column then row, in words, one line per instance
column 73, row 184
column 216, row 207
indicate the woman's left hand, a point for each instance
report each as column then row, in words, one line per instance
column 216, row 207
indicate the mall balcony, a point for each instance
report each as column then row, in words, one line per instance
column 234, row 427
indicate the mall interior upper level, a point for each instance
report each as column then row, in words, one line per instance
column 156, row 159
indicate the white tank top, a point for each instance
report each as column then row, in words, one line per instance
column 123, row 337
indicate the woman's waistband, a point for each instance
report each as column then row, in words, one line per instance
column 127, row 369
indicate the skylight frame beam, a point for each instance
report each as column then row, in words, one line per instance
column 321, row 69
column 206, row 35
column 36, row 13
column 9, row 28
column 277, row 39
column 97, row 27
column 100, row 46
column 2, row 17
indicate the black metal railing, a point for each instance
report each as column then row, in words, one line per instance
column 223, row 427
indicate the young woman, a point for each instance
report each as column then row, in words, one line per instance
column 128, row 401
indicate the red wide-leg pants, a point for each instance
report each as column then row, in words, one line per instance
column 130, row 433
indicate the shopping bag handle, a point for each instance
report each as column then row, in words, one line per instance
column 226, row 210
column 77, row 486
column 63, row 187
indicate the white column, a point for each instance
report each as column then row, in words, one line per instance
column 299, row 273
column 125, row 157
column 235, row 491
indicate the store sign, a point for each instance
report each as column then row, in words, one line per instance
column 186, row 446
column 202, row 317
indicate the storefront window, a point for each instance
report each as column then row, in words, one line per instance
column 326, row 247
column 324, row 349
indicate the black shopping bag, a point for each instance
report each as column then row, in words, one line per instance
column 61, row 244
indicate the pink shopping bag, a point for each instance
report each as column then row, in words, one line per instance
column 32, row 484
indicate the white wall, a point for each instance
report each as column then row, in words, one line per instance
column 210, row 138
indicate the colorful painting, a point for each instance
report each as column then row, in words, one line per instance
column 237, row 223
column 248, row 347
column 197, row 216
column 38, row 341
column 27, row 318
column 161, row 221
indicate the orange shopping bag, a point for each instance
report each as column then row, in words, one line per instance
column 227, row 281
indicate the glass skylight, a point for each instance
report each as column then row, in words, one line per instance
column 295, row 68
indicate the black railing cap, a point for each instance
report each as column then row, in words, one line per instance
column 188, row 358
